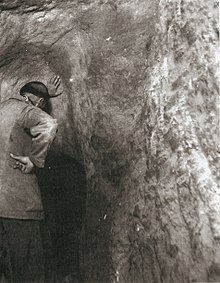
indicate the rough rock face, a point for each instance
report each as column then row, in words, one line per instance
column 140, row 112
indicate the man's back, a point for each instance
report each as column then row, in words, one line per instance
column 25, row 130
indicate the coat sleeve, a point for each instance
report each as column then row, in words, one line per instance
column 42, row 128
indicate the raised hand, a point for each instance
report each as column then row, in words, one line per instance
column 54, row 86
column 23, row 163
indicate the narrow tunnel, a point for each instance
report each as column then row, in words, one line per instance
column 63, row 189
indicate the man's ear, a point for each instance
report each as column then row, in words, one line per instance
column 25, row 97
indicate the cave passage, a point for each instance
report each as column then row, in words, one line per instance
column 63, row 189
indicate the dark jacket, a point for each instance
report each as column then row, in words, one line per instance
column 28, row 131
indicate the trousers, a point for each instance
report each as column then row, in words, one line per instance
column 21, row 251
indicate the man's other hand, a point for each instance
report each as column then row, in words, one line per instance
column 55, row 87
column 23, row 163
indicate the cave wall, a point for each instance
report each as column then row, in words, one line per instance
column 139, row 111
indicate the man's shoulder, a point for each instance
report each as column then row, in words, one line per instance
column 12, row 106
column 37, row 115
column 26, row 107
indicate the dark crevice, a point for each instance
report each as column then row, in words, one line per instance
column 63, row 189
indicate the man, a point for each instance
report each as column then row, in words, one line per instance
column 26, row 133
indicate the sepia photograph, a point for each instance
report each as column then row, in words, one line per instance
column 109, row 141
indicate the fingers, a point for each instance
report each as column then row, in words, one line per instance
column 56, row 81
column 20, row 166
column 50, row 80
column 23, row 168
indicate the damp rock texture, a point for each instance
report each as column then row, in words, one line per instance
column 140, row 112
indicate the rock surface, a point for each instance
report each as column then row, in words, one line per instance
column 140, row 112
